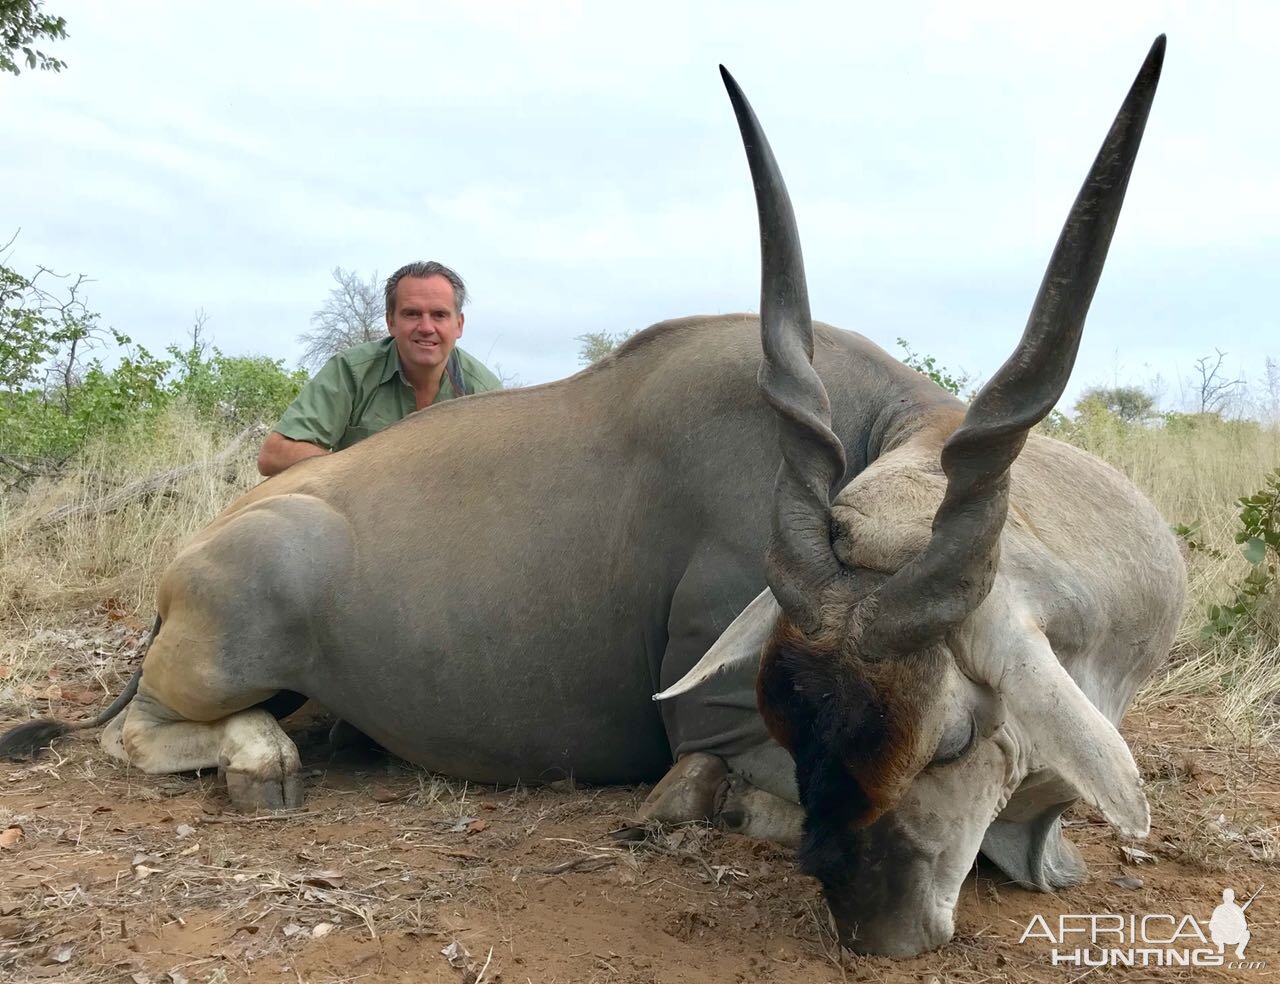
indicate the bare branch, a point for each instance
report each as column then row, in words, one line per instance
column 159, row 483
column 350, row 315
column 1216, row 393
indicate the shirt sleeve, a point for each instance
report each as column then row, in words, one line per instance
column 321, row 412
column 478, row 378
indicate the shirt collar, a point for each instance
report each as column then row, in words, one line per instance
column 391, row 365
column 391, row 368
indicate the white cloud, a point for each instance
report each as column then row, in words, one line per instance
column 579, row 164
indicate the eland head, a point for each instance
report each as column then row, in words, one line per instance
column 900, row 666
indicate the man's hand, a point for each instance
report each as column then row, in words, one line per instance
column 279, row 452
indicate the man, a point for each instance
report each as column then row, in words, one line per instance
column 371, row 386
column 1228, row 926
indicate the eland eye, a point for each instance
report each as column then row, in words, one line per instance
column 956, row 741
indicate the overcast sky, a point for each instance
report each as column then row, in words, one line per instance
column 579, row 165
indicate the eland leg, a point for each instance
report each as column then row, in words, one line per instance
column 260, row 762
column 699, row 788
column 1034, row 853
column 754, row 812
column 239, row 608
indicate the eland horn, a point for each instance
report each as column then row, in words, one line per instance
column 800, row 561
column 949, row 578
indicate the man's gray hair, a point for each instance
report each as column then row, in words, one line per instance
column 425, row 268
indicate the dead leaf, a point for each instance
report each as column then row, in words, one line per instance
column 1127, row 881
column 1136, row 855
column 52, row 692
column 78, row 695
column 475, row 826
column 293, row 929
column 324, row 879
column 9, row 906
column 60, row 953
column 184, row 830
column 141, row 872
column 177, row 977
column 457, row 955
column 11, row 835
column 101, row 809
column 381, row 794
column 677, row 837
column 6, row 672
column 322, row 929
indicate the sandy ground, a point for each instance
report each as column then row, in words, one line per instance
column 391, row 874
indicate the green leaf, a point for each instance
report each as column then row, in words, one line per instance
column 1255, row 550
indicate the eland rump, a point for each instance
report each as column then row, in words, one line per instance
column 493, row 589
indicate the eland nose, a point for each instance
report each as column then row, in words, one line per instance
column 896, row 935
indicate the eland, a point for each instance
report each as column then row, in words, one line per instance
column 909, row 642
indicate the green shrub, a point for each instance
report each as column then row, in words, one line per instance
column 1259, row 537
column 53, row 402
column 235, row 389
column 1132, row 404
column 927, row 365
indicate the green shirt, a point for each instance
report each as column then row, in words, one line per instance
column 362, row 390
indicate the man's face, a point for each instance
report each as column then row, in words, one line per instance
column 425, row 323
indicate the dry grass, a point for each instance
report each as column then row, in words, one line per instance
column 119, row 555
column 1194, row 476
column 50, row 575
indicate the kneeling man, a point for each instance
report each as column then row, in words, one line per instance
column 371, row 386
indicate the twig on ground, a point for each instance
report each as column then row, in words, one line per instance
column 151, row 485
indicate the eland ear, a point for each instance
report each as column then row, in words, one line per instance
column 1068, row 734
column 740, row 643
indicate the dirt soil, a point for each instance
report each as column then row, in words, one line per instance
column 391, row 874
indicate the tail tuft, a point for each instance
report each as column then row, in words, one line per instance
column 26, row 741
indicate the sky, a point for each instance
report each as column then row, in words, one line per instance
column 579, row 165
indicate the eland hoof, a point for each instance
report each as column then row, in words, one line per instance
column 253, row 793
column 264, row 773
column 689, row 793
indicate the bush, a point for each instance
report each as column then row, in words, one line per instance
column 927, row 365
column 1259, row 537
column 1131, row 404
column 53, row 403
column 40, row 424
column 235, row 389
